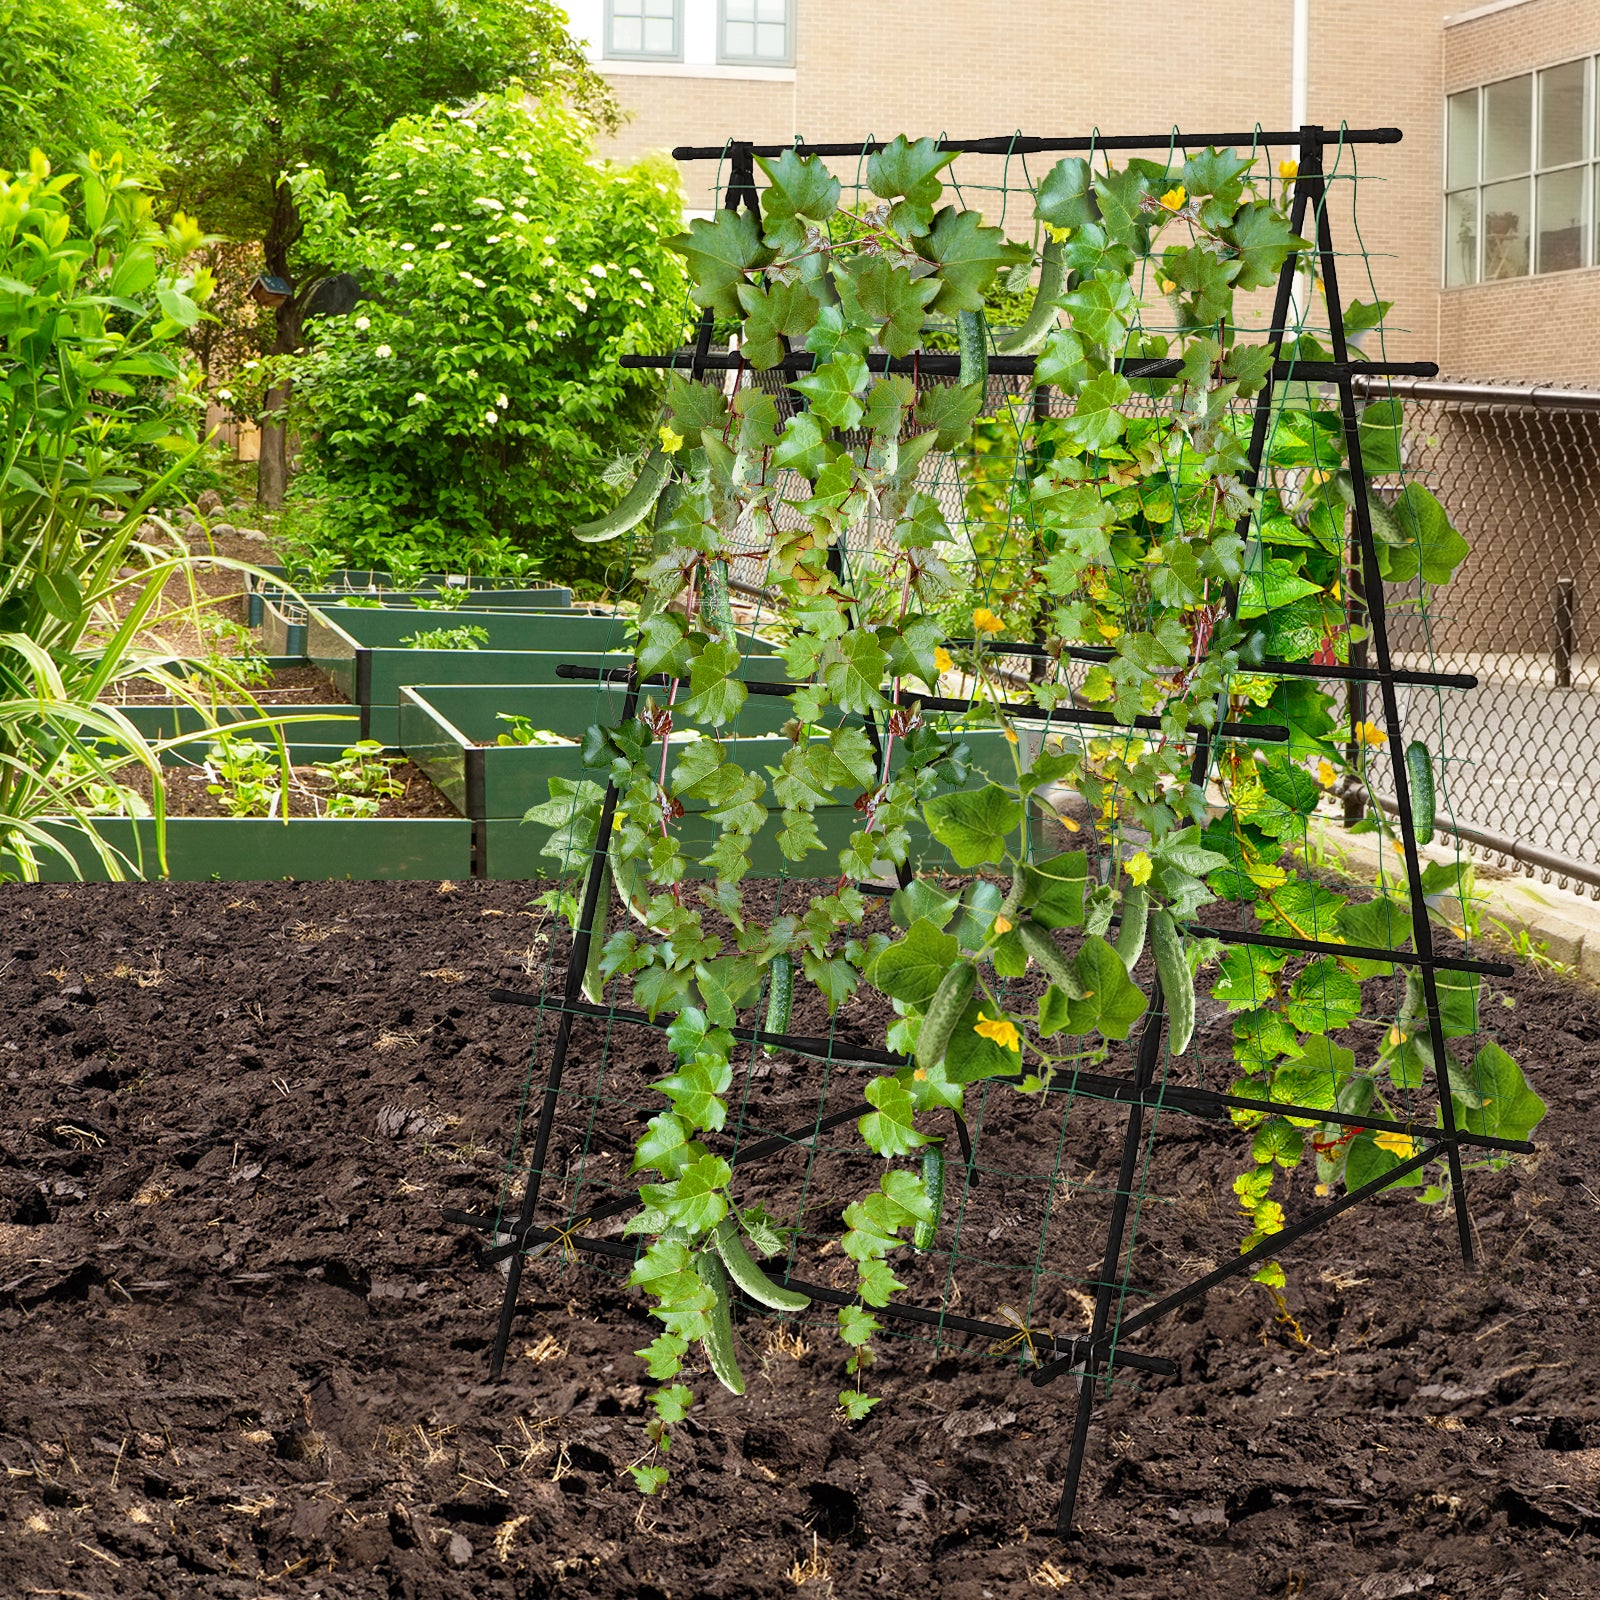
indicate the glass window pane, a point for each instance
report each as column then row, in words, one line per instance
column 658, row 36
column 1505, row 229
column 1563, row 114
column 1461, row 239
column 740, row 40
column 627, row 33
column 1563, row 224
column 770, row 42
column 741, row 10
column 772, row 11
column 1461, row 131
column 1507, row 128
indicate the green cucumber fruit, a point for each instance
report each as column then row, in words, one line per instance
column 629, row 877
column 634, row 506
column 944, row 1012
column 1029, row 339
column 972, row 340
column 780, row 996
column 924, row 1233
column 1050, row 956
column 1177, row 981
column 1135, row 914
column 718, row 1340
column 743, row 1270
column 1419, row 773
column 715, row 610
column 594, row 982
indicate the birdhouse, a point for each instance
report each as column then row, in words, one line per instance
column 268, row 290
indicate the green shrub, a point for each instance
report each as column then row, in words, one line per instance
column 75, row 75
column 97, row 419
column 462, row 418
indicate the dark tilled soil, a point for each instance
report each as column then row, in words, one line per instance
column 245, row 1356
column 188, row 792
column 288, row 686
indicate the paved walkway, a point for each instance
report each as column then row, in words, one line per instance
column 1566, row 924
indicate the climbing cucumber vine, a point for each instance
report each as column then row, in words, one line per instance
column 1161, row 578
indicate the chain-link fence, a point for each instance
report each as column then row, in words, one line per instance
column 1518, row 470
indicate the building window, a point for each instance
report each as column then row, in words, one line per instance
column 1521, row 173
column 756, row 33
column 650, row 30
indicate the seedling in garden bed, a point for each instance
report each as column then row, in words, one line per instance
column 1175, row 557
column 523, row 731
column 233, row 650
column 362, row 778
column 246, row 777
column 471, row 637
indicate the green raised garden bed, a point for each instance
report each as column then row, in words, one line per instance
column 365, row 580
column 313, row 733
column 448, row 731
column 361, row 651
column 254, row 850
column 283, row 622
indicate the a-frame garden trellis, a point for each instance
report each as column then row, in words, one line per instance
column 1087, row 1357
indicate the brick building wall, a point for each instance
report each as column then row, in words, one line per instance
column 1542, row 329
column 1521, row 488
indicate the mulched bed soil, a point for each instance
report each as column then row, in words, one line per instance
column 287, row 686
column 244, row 1355
column 188, row 793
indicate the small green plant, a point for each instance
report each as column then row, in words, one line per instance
column 368, row 602
column 443, row 600
column 246, row 776
column 471, row 637
column 521, row 730
column 1536, row 952
column 85, row 779
column 362, row 778
column 234, row 651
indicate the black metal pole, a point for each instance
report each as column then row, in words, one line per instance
column 577, row 960
column 1150, row 1039
column 1421, row 927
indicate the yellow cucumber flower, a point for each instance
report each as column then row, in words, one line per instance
column 671, row 442
column 985, row 621
column 1139, row 867
column 1001, row 1029
column 1399, row 1144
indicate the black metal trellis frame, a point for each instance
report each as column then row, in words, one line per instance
column 1085, row 1357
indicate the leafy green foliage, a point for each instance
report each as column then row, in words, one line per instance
column 462, row 420
column 98, row 415
column 75, row 76
column 1120, row 532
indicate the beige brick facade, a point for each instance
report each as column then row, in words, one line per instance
column 967, row 70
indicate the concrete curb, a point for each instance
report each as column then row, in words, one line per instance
column 1566, row 924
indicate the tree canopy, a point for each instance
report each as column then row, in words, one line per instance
column 74, row 77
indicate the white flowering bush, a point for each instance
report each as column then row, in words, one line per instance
column 463, row 419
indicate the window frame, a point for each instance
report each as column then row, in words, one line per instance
column 611, row 53
column 1587, row 165
column 726, row 59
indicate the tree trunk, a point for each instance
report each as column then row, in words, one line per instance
column 272, row 471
